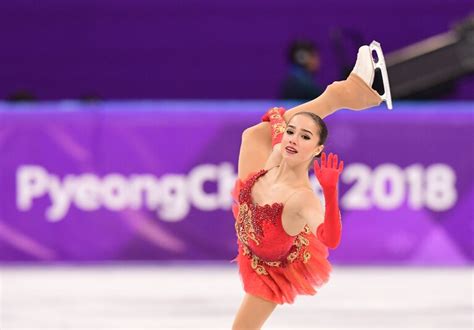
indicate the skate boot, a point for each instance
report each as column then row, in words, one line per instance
column 366, row 68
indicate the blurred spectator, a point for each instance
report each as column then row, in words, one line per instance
column 299, row 83
column 90, row 98
column 21, row 96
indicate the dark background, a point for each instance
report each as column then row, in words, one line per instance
column 117, row 49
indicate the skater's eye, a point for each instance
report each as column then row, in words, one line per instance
column 306, row 137
column 289, row 132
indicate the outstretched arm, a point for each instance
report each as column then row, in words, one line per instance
column 329, row 232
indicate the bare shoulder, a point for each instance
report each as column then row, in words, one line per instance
column 306, row 206
column 308, row 202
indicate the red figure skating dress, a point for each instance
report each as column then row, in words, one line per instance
column 273, row 264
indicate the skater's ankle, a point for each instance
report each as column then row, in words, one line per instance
column 364, row 67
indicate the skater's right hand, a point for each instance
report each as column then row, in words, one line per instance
column 273, row 111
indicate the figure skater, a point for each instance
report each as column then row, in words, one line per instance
column 283, row 234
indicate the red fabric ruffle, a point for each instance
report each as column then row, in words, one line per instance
column 282, row 284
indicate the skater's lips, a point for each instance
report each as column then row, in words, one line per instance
column 291, row 149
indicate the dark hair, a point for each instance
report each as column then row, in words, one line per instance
column 322, row 130
column 299, row 49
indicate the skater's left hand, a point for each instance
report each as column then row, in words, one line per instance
column 328, row 172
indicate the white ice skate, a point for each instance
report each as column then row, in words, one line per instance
column 366, row 71
column 387, row 96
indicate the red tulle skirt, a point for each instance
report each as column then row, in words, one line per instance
column 307, row 271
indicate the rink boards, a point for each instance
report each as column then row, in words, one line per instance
column 152, row 180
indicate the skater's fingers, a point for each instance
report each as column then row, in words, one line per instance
column 341, row 166
column 334, row 162
column 323, row 160
column 316, row 167
column 329, row 165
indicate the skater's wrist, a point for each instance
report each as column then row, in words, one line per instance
column 273, row 114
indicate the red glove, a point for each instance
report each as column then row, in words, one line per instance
column 329, row 232
column 277, row 123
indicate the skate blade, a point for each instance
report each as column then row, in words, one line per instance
column 387, row 96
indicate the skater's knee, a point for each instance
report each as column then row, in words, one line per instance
column 336, row 92
column 335, row 86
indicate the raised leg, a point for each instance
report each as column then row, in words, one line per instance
column 253, row 313
column 353, row 93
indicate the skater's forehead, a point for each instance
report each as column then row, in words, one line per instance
column 303, row 129
column 303, row 122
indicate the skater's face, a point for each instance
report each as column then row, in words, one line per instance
column 302, row 136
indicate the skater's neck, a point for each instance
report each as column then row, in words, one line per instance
column 291, row 175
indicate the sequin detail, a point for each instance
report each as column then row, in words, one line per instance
column 249, row 228
column 251, row 216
